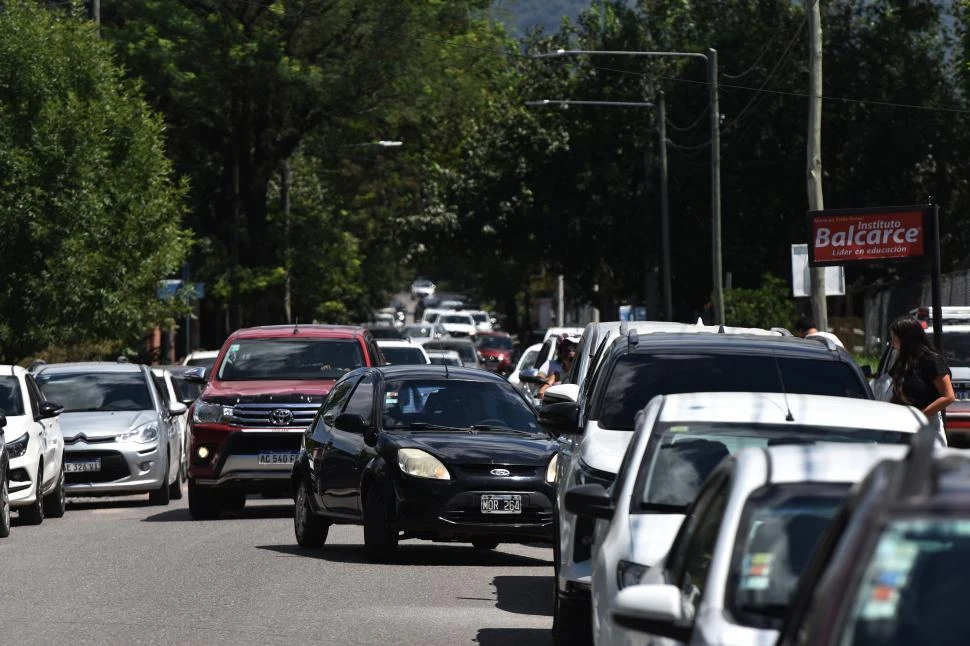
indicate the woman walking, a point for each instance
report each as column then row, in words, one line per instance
column 920, row 376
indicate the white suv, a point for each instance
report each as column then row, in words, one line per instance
column 35, row 447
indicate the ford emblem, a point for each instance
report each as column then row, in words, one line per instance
column 499, row 472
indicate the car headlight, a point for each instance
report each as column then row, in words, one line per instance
column 629, row 573
column 209, row 413
column 551, row 469
column 18, row 447
column 142, row 434
column 421, row 464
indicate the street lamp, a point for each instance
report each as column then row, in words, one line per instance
column 711, row 60
column 664, row 213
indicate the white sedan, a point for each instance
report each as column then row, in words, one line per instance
column 422, row 287
column 733, row 568
column 35, row 447
column 402, row 352
column 677, row 442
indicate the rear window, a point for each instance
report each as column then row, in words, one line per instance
column 11, row 401
column 285, row 359
column 403, row 355
column 638, row 378
column 97, row 391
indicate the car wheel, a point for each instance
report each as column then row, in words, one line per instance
column 4, row 508
column 55, row 503
column 311, row 530
column 160, row 496
column 203, row 502
column 234, row 500
column 484, row 544
column 571, row 623
column 33, row 514
column 380, row 543
column 175, row 489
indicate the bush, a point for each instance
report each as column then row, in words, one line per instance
column 765, row 307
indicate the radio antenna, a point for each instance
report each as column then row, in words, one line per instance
column 781, row 380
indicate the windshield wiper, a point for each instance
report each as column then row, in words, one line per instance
column 425, row 426
column 504, row 429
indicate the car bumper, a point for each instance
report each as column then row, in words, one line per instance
column 123, row 467
column 22, row 480
column 237, row 459
column 451, row 510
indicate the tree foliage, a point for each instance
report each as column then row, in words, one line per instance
column 90, row 211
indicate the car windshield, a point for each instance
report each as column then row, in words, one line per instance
column 480, row 317
column 465, row 350
column 780, row 526
column 460, row 319
column 96, row 391
column 638, row 378
column 679, row 457
column 913, row 586
column 956, row 348
column 528, row 358
column 403, row 355
column 11, row 399
column 495, row 342
column 289, row 359
column 451, row 404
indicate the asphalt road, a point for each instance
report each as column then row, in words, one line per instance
column 119, row 571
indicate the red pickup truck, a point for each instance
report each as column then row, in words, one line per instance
column 247, row 425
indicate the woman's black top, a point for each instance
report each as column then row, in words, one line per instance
column 918, row 388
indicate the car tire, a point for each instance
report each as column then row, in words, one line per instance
column 484, row 544
column 234, row 500
column 175, row 489
column 310, row 530
column 55, row 503
column 571, row 622
column 162, row 495
column 380, row 543
column 203, row 502
column 33, row 514
column 4, row 508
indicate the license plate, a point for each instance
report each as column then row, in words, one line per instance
column 501, row 504
column 81, row 467
column 277, row 458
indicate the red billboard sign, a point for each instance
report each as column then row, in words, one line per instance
column 839, row 237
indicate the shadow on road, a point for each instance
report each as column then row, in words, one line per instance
column 80, row 504
column 524, row 595
column 181, row 515
column 423, row 555
column 516, row 636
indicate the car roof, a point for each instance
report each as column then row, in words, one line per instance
column 90, row 366
column 315, row 330
column 11, row 369
column 435, row 371
column 396, row 343
column 818, row 462
column 782, row 346
column 773, row 408
column 443, row 352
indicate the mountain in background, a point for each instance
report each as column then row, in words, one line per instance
column 522, row 15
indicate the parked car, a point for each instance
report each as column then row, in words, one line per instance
column 678, row 441
column 444, row 454
column 734, row 565
column 402, row 352
column 35, row 448
column 496, row 351
column 891, row 565
column 171, row 394
column 422, row 287
column 596, row 430
column 4, row 485
column 119, row 436
column 444, row 357
column 200, row 359
column 247, row 425
column 464, row 347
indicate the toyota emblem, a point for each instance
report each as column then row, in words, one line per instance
column 499, row 472
column 281, row 416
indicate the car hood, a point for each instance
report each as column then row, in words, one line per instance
column 481, row 448
column 282, row 389
column 101, row 424
column 603, row 450
column 651, row 536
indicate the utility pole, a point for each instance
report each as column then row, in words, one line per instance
column 664, row 208
column 717, row 260
column 560, row 296
column 94, row 12
column 814, row 153
column 286, row 182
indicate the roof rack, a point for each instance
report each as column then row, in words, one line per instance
column 633, row 337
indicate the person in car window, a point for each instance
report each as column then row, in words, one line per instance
column 920, row 376
column 805, row 328
column 557, row 370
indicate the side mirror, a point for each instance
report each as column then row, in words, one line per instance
column 867, row 371
column 653, row 609
column 177, row 408
column 560, row 393
column 560, row 418
column 349, row 423
column 196, row 375
column 531, row 376
column 48, row 410
column 590, row 500
column 370, row 436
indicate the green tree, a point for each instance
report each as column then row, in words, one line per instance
column 767, row 306
column 89, row 210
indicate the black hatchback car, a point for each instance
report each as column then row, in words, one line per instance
column 430, row 452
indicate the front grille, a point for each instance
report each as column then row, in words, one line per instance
column 467, row 508
column 89, row 440
column 113, row 467
column 260, row 414
column 516, row 471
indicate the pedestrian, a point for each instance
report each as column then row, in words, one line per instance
column 805, row 327
column 920, row 375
